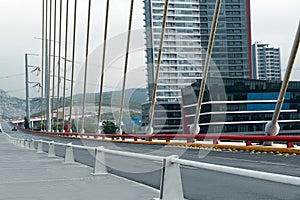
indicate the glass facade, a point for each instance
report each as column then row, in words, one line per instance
column 167, row 117
column 186, row 40
column 246, row 107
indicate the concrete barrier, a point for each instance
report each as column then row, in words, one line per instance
column 51, row 150
column 69, row 155
column 171, row 181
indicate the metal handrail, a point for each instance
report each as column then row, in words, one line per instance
column 241, row 172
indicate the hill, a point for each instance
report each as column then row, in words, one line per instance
column 13, row 107
column 134, row 98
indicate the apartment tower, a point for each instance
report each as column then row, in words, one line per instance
column 186, row 40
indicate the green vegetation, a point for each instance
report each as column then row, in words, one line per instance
column 109, row 127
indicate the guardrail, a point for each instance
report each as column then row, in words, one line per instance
column 171, row 182
column 188, row 138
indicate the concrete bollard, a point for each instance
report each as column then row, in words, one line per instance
column 20, row 142
column 69, row 155
column 40, row 147
column 51, row 151
column 99, row 166
column 32, row 147
column 27, row 146
column 171, row 184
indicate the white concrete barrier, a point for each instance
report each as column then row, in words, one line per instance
column 171, row 181
column 69, row 155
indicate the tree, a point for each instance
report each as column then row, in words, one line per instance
column 109, row 127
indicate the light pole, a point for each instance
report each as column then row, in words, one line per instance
column 27, row 89
column 27, row 86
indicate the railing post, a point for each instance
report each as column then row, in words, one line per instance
column 248, row 143
column 32, row 147
column 290, row 145
column 99, row 166
column 69, row 155
column 171, row 184
column 40, row 147
column 215, row 141
column 51, row 151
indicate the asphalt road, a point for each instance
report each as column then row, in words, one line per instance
column 197, row 183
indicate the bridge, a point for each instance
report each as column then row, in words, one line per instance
column 166, row 166
column 190, row 173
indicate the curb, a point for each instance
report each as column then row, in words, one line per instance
column 267, row 149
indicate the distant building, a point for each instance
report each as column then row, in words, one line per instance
column 167, row 117
column 266, row 62
column 242, row 106
column 186, row 41
column 230, row 106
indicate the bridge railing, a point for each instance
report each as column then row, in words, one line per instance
column 171, row 182
column 179, row 138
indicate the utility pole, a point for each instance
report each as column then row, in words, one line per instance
column 27, row 89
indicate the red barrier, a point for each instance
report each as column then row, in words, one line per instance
column 188, row 137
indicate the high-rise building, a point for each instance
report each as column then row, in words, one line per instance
column 186, row 40
column 266, row 62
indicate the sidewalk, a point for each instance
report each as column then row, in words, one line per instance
column 25, row 174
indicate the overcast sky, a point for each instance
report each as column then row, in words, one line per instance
column 273, row 21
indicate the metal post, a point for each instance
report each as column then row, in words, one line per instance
column 272, row 127
column 86, row 66
column 126, row 66
column 103, row 66
column 65, row 65
column 27, row 89
column 152, row 108
column 54, row 59
column 59, row 64
column 47, row 91
column 43, row 64
column 194, row 129
column 73, row 63
column 47, row 79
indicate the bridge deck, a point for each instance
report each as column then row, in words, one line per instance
column 25, row 174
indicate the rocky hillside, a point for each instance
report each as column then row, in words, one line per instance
column 13, row 108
